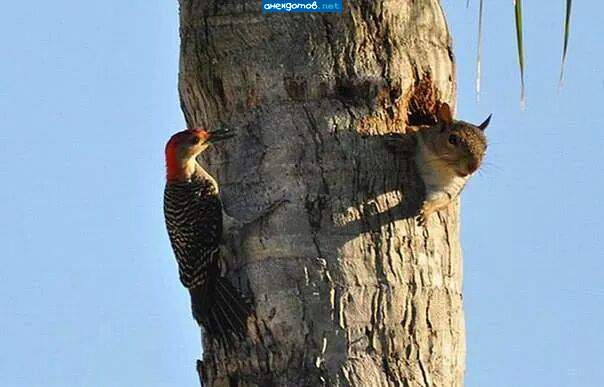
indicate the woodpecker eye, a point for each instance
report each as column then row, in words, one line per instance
column 194, row 140
column 453, row 140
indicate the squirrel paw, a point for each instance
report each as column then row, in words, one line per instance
column 425, row 212
column 422, row 220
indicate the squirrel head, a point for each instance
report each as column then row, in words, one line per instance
column 459, row 144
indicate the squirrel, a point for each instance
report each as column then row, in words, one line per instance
column 447, row 154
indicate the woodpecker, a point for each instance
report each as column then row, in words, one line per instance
column 194, row 220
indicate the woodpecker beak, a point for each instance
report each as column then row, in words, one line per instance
column 219, row 135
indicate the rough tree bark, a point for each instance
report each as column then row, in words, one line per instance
column 347, row 289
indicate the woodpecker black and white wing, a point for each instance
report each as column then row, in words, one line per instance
column 194, row 220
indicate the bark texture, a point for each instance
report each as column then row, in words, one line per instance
column 347, row 289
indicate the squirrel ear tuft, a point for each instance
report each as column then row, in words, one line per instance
column 486, row 122
column 444, row 113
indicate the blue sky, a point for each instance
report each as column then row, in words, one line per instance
column 89, row 292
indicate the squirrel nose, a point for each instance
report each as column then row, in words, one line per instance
column 472, row 166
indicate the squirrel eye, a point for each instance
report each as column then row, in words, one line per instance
column 453, row 140
column 194, row 140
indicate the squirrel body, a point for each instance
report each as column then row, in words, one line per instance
column 447, row 154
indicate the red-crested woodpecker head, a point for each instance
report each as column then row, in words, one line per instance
column 183, row 147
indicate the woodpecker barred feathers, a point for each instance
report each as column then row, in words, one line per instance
column 194, row 220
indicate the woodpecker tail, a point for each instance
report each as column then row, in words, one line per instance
column 220, row 309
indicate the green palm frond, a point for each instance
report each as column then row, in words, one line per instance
column 478, row 52
column 520, row 46
column 518, row 14
column 569, row 4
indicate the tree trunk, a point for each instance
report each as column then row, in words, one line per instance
column 347, row 289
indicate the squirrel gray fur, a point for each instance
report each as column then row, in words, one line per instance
column 447, row 154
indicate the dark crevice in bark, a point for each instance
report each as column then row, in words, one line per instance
column 423, row 102
column 316, row 204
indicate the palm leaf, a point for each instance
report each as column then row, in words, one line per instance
column 478, row 52
column 569, row 4
column 518, row 14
